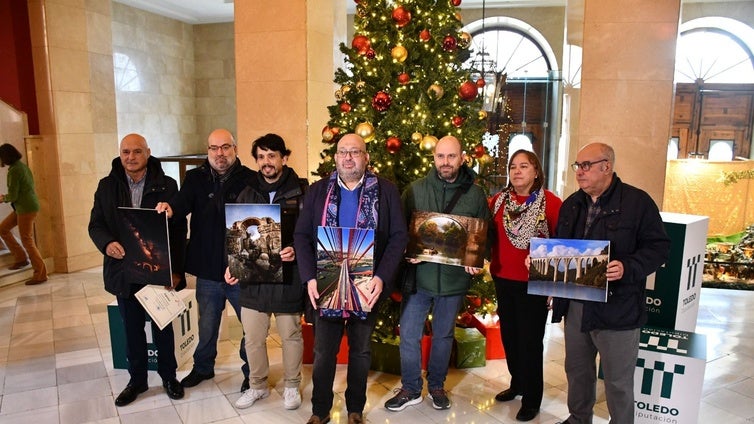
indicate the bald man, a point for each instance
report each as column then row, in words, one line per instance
column 137, row 180
column 204, row 193
column 606, row 208
column 351, row 197
column 448, row 188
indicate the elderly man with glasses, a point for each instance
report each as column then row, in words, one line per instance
column 203, row 194
column 606, row 208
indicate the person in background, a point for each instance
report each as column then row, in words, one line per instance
column 356, row 198
column 524, row 209
column 204, row 193
column 275, row 183
column 23, row 199
column 606, row 208
column 137, row 180
column 438, row 286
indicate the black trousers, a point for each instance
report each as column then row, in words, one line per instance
column 522, row 324
column 134, row 317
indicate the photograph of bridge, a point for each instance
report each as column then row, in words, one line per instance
column 447, row 239
column 568, row 268
column 345, row 265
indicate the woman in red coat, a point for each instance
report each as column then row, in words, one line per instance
column 524, row 209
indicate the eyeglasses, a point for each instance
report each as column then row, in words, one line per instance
column 586, row 165
column 224, row 148
column 352, row 153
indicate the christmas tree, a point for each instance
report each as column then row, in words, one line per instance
column 404, row 88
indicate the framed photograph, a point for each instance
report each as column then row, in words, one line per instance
column 145, row 239
column 253, row 242
column 569, row 268
column 345, row 264
column 447, row 239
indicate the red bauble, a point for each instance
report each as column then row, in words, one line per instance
column 479, row 151
column 393, row 144
column 396, row 296
column 370, row 54
column 345, row 107
column 457, row 121
column 481, row 82
column 456, row 3
column 361, row 44
column 424, row 35
column 401, row 16
column 468, row 91
column 449, row 43
column 404, row 78
column 381, row 101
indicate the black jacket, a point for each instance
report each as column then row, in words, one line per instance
column 631, row 222
column 288, row 296
column 203, row 194
column 390, row 236
column 104, row 226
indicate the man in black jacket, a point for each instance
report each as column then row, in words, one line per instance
column 203, row 194
column 275, row 183
column 137, row 180
column 605, row 208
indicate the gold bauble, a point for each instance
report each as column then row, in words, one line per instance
column 482, row 115
column 327, row 159
column 345, row 89
column 485, row 160
column 365, row 130
column 360, row 85
column 327, row 135
column 338, row 95
column 399, row 53
column 416, row 137
column 435, row 92
column 429, row 142
column 464, row 40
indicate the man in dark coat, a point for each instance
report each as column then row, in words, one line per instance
column 275, row 183
column 203, row 194
column 605, row 208
column 351, row 197
column 137, row 180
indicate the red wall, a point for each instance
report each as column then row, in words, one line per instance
column 16, row 66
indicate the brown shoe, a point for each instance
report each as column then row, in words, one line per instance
column 355, row 418
column 317, row 420
column 34, row 281
column 19, row 265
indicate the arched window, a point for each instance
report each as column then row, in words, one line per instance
column 126, row 74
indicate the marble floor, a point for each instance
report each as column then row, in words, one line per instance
column 56, row 367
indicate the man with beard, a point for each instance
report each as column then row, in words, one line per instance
column 448, row 188
column 355, row 198
column 275, row 183
column 137, row 180
column 204, row 193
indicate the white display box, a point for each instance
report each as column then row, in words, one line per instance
column 669, row 376
column 672, row 296
column 185, row 330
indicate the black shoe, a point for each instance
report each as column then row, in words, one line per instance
column 402, row 399
column 173, row 388
column 527, row 414
column 130, row 393
column 245, row 385
column 506, row 395
column 195, row 377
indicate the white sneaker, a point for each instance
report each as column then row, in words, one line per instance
column 250, row 396
column 291, row 398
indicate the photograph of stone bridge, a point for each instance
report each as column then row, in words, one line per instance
column 574, row 269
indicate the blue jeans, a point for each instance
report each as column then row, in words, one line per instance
column 415, row 310
column 210, row 297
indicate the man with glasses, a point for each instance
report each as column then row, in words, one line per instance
column 356, row 198
column 605, row 208
column 203, row 194
column 448, row 188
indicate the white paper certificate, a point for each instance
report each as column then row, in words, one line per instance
column 161, row 304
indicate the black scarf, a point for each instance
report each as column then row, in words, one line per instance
column 266, row 187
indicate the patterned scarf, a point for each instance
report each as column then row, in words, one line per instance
column 523, row 221
column 368, row 202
